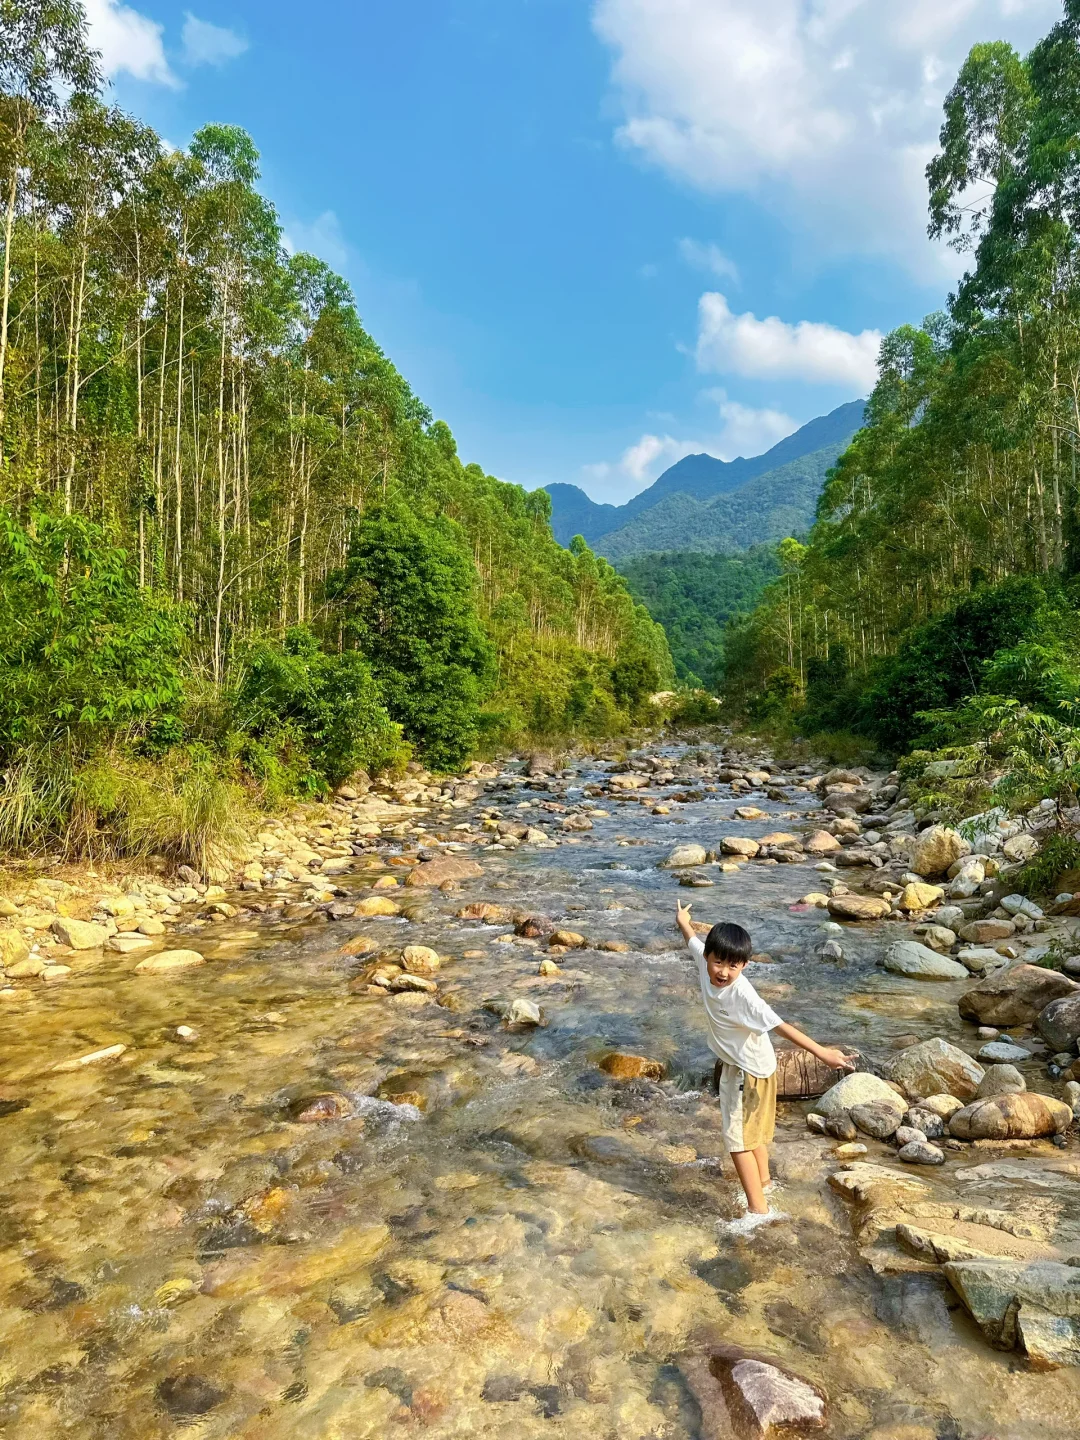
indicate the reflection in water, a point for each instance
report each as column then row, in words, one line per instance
column 239, row 1233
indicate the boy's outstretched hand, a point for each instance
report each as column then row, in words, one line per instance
column 836, row 1058
column 683, row 921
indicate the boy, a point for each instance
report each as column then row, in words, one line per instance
column 739, row 1023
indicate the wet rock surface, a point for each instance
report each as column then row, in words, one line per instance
column 392, row 1159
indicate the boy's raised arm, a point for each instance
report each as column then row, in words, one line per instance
column 682, row 920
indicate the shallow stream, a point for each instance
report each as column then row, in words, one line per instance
column 529, row 1255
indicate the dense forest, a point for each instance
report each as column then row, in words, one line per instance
column 694, row 597
column 232, row 539
column 936, row 601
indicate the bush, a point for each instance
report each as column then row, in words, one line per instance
column 86, row 657
column 407, row 594
column 314, row 718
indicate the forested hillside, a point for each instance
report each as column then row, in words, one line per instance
column 228, row 525
column 940, row 573
column 694, row 597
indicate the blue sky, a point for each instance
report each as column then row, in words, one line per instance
column 595, row 235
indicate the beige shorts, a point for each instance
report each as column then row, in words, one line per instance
column 747, row 1108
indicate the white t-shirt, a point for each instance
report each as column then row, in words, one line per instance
column 739, row 1021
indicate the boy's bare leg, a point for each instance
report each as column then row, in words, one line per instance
column 761, row 1155
column 747, row 1167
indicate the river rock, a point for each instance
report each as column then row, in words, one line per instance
column 841, row 1126
column 1021, row 847
column 919, row 962
column 79, row 934
column 1021, row 905
column 935, row 849
column 943, row 1105
column 986, row 932
column 13, row 948
column 740, row 1393
column 685, row 856
column 166, row 960
column 858, row 907
column 939, row 938
column 1011, row 1117
column 1000, row 1052
column 94, row 1057
column 1001, row 1080
column 28, row 969
column 931, row 1126
column 921, row 1152
column 934, row 1067
column 420, row 960
column 632, row 1067
column 860, row 1088
column 821, row 843
column 738, row 845
column 880, row 1121
column 316, row 1109
column 567, row 939
column 1023, row 1305
column 978, row 959
column 1059, row 1023
column 920, row 896
column 802, row 1076
column 443, row 870
column 524, row 1012
column 908, row 1134
column 1014, row 996
column 489, row 914
column 378, row 905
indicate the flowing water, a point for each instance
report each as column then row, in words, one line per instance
column 528, row 1255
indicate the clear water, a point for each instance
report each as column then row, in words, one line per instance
column 527, row 1256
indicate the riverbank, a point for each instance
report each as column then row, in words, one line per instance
column 368, row 1160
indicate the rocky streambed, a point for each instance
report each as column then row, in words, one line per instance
column 408, row 1128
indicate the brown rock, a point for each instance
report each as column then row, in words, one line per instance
column 378, row 905
column 317, row 1108
column 614, row 947
column 490, row 914
column 822, row 843
column 1011, row 1117
column 631, row 1067
column 13, row 948
column 985, row 932
column 443, row 869
column 420, row 960
column 1014, row 996
column 737, row 845
column 568, row 939
column 800, row 1075
column 858, row 907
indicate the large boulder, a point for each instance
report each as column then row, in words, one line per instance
column 860, row 1088
column 1059, row 1023
column 934, row 1067
column 685, row 855
column 858, row 907
column 79, row 934
column 738, row 845
column 935, row 849
column 1015, row 996
column 1011, row 1117
column 442, row 870
column 849, row 797
column 800, row 1075
column 13, row 947
column 919, row 962
column 1029, row 1305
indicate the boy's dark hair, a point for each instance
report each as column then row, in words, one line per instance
column 729, row 942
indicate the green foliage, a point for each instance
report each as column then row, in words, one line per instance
column 694, row 597
column 406, row 594
column 694, row 708
column 85, row 656
column 315, row 717
column 1039, row 877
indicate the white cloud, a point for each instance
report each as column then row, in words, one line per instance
column 128, row 42
column 709, row 257
column 827, row 111
column 206, row 44
column 748, row 431
column 322, row 236
column 771, row 349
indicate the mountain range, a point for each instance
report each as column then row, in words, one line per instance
column 714, row 506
